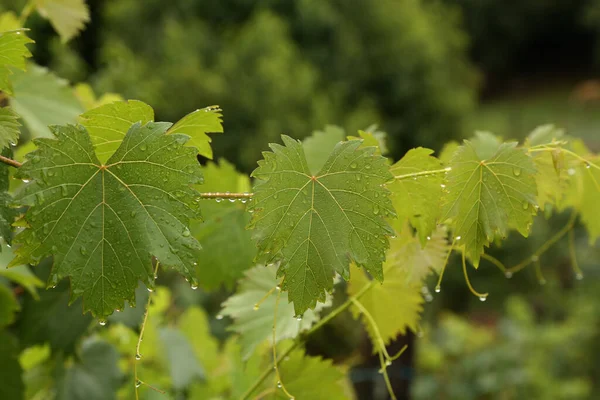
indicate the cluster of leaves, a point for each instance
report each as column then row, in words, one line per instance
column 112, row 197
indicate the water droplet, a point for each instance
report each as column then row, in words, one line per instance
column 448, row 169
column 219, row 317
column 279, row 384
column 579, row 276
column 587, row 165
column 102, row 322
column 438, row 289
column 150, row 289
column 358, row 177
column 256, row 307
column 375, row 210
column 138, row 383
column 232, row 200
column 35, row 159
column 534, row 258
column 571, row 171
column 428, row 237
column 51, row 172
column 298, row 317
column 83, row 250
column 218, row 199
column 25, row 180
column 388, row 363
column 186, row 233
column 482, row 298
column 525, row 205
column 542, row 282
column 353, row 165
column 508, row 274
column 458, row 238
column 517, row 171
column 54, row 249
column 138, row 357
column 442, row 186
column 143, row 147
column 278, row 288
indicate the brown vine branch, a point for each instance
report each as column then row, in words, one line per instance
column 10, row 161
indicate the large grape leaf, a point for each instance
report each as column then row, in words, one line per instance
column 11, row 373
column 9, row 127
column 68, row 17
column 255, row 325
column 417, row 198
column 43, row 99
column 316, row 224
column 197, row 124
column 103, row 223
column 227, row 247
column 14, row 52
column 490, row 189
column 109, row 123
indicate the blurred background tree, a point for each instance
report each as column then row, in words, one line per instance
column 426, row 71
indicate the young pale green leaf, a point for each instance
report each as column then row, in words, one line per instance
column 194, row 324
column 197, row 124
column 14, row 52
column 9, row 127
column 7, row 213
column 312, row 378
column 395, row 305
column 253, row 313
column 67, row 17
column 42, row 99
column 9, row 21
column 316, row 224
column 590, row 199
column 488, row 196
column 376, row 139
column 21, row 275
column 94, row 376
column 227, row 246
column 319, row 145
column 183, row 365
column 104, row 223
column 11, row 373
column 417, row 198
column 109, row 123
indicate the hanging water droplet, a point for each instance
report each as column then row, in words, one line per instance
column 186, row 233
column 232, row 200
column 278, row 288
column 375, row 210
column 482, row 298
column 102, row 322
column 298, row 317
column 508, row 274
column 219, row 317
column 279, row 384
column 353, row 165
column 438, row 289
column 428, row 237
column 138, row 383
column 579, row 276
column 218, row 199
column 458, row 238
column 571, row 171
column 25, row 180
column 138, row 356
column 194, row 285
column 388, row 363
column 243, row 200
column 588, row 165
column 517, row 171
column 256, row 307
column 442, row 186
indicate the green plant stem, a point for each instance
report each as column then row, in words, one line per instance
column 10, row 161
column 302, row 338
column 421, row 173
column 26, row 12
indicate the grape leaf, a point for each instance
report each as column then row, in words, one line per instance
column 395, row 306
column 317, row 224
column 86, row 96
column 109, row 123
column 488, row 196
column 320, row 144
column 194, row 324
column 307, row 377
column 256, row 325
column 103, row 223
column 448, row 151
column 14, row 52
column 417, row 198
column 7, row 213
column 8, row 306
column 9, row 21
column 94, row 376
column 227, row 247
column 20, row 274
column 372, row 139
column 9, row 127
column 183, row 366
column 197, row 124
column 67, row 17
column 11, row 379
column 42, row 99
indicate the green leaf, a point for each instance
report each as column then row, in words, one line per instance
column 320, row 144
column 194, row 324
column 317, row 224
column 197, row 124
column 9, row 21
column 109, row 123
column 544, row 134
column 7, row 213
column 67, row 17
column 11, row 380
column 50, row 319
column 14, row 52
column 9, row 127
column 448, row 151
column 227, row 246
column 183, row 365
column 488, row 196
column 95, row 376
column 42, row 99
column 312, row 378
column 253, row 310
column 590, row 199
column 8, row 306
column 21, row 275
column 372, row 139
column 417, row 198
column 103, row 224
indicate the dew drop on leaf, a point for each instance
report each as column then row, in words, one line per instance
column 517, row 171
column 482, row 298
column 219, row 316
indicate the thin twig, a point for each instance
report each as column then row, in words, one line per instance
column 10, row 161
column 226, row 195
column 421, row 173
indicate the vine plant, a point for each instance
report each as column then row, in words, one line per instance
column 115, row 197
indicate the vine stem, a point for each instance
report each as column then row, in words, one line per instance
column 482, row 296
column 423, row 173
column 301, row 339
column 138, row 382
column 10, row 161
column 226, row 195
